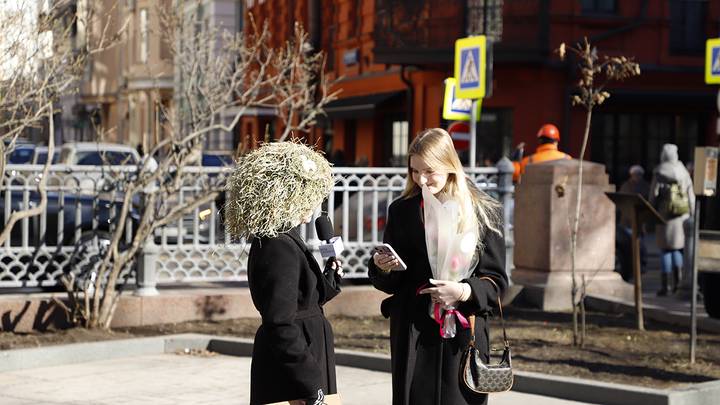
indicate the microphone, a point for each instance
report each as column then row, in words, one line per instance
column 330, row 246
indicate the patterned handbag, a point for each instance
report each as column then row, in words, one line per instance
column 484, row 378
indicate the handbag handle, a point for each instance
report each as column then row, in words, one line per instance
column 502, row 318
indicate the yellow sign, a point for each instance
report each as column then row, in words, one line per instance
column 470, row 60
column 457, row 109
column 712, row 61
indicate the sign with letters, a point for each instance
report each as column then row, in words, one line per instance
column 470, row 62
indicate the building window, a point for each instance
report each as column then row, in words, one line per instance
column 240, row 17
column 484, row 17
column 199, row 19
column 687, row 26
column 598, row 6
column 400, row 142
column 622, row 140
column 143, row 35
column 45, row 40
column 219, row 141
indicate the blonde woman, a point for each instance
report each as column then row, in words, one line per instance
column 272, row 191
column 425, row 366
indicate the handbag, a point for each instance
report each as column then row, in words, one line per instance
column 483, row 378
column 328, row 399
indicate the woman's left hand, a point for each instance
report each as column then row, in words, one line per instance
column 444, row 292
column 336, row 265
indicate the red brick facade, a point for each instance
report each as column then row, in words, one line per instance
column 371, row 43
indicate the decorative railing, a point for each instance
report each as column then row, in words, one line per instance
column 83, row 202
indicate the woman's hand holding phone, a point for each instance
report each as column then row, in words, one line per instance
column 386, row 259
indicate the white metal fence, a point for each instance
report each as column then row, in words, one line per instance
column 83, row 202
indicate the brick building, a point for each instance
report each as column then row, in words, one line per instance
column 392, row 57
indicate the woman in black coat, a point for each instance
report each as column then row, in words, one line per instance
column 425, row 366
column 293, row 354
column 273, row 190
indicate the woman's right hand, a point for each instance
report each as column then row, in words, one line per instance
column 385, row 262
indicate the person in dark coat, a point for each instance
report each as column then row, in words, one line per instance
column 293, row 353
column 635, row 184
column 425, row 366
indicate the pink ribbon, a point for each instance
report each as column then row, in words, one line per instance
column 439, row 319
column 436, row 311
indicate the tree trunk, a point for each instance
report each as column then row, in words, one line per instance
column 576, row 223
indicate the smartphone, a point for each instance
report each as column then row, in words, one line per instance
column 386, row 249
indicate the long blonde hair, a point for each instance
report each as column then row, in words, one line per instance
column 435, row 147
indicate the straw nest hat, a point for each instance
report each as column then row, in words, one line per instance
column 273, row 187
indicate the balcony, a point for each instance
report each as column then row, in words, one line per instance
column 423, row 32
column 417, row 31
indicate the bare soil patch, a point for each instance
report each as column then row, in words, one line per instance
column 542, row 342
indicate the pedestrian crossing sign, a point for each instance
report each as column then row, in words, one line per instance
column 457, row 109
column 712, row 61
column 470, row 61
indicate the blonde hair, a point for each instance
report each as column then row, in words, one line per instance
column 436, row 148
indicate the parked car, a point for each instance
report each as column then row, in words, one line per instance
column 98, row 153
column 41, row 155
column 94, row 215
column 171, row 231
column 22, row 154
column 216, row 160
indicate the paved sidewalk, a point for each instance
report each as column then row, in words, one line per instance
column 171, row 379
column 673, row 308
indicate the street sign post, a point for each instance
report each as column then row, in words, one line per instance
column 470, row 72
column 454, row 108
column 460, row 133
column 704, row 185
column 704, row 181
column 712, row 61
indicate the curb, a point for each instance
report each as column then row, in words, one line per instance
column 656, row 313
column 568, row 388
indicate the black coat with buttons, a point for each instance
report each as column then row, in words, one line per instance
column 293, row 354
column 420, row 357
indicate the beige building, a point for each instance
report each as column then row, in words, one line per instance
column 127, row 88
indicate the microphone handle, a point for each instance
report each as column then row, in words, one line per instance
column 333, row 264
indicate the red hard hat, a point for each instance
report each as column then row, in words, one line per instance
column 549, row 131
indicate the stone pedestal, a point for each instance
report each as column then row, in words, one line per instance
column 544, row 210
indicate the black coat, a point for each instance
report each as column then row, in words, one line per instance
column 419, row 358
column 293, row 353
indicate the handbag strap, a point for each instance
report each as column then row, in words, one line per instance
column 502, row 318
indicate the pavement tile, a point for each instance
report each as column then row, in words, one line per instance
column 169, row 379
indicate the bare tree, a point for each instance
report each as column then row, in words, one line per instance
column 595, row 74
column 296, row 96
column 42, row 61
column 219, row 72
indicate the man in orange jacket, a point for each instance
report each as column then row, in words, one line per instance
column 548, row 137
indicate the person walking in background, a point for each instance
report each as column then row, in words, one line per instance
column 274, row 190
column 547, row 138
column 425, row 365
column 635, row 184
column 671, row 193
